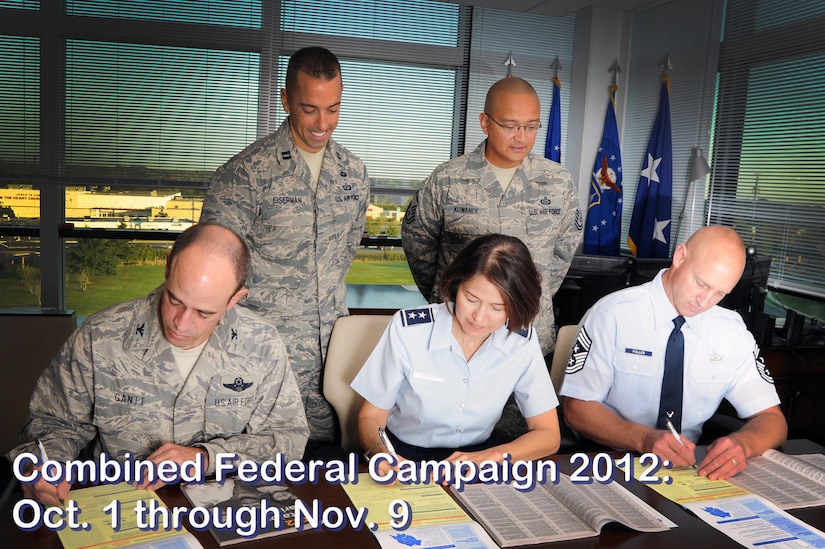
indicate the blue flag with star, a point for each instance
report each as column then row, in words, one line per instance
column 649, row 234
column 552, row 146
column 603, row 229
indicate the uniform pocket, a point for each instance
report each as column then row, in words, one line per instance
column 229, row 404
column 636, row 383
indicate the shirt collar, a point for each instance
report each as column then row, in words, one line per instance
column 663, row 310
column 442, row 335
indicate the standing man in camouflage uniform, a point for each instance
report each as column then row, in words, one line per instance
column 299, row 200
column 175, row 374
column 498, row 188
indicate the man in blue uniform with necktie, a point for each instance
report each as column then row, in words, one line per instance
column 653, row 362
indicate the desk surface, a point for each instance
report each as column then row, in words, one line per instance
column 691, row 533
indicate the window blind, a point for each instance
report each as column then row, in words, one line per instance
column 534, row 42
column 689, row 32
column 140, row 111
column 404, row 71
column 244, row 13
column 19, row 105
column 768, row 179
column 20, row 4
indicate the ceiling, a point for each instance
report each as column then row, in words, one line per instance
column 560, row 8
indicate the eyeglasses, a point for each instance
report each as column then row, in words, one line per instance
column 514, row 128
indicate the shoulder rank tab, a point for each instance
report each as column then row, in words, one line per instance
column 424, row 315
column 525, row 332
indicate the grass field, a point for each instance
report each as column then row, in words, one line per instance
column 374, row 272
column 138, row 280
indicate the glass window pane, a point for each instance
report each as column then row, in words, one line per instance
column 19, row 105
column 20, row 4
column 236, row 13
column 154, row 112
column 104, row 272
column 133, row 208
column 399, row 21
column 19, row 250
column 768, row 154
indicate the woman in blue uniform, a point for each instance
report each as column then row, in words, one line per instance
column 441, row 374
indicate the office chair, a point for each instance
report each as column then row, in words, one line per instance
column 29, row 341
column 570, row 440
column 564, row 340
column 353, row 339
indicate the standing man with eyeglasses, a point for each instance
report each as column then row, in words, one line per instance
column 500, row 187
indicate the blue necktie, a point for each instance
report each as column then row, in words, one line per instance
column 670, row 404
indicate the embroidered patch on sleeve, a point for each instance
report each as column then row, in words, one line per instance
column 409, row 217
column 762, row 368
column 578, row 354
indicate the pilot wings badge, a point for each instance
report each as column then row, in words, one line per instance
column 238, row 385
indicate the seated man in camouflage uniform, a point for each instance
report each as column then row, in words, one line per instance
column 165, row 377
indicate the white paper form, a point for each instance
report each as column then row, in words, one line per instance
column 753, row 521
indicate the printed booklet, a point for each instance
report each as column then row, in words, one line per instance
column 223, row 500
column 557, row 512
column 791, row 482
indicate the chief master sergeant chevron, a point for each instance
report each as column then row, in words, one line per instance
column 299, row 200
column 500, row 187
column 179, row 372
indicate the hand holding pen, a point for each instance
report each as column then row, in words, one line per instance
column 385, row 440
column 677, row 436
column 43, row 491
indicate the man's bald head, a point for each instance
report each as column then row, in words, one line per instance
column 715, row 243
column 509, row 85
column 704, row 270
column 219, row 241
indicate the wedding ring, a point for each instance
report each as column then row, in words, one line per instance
column 733, row 460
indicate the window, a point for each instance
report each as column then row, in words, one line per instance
column 146, row 112
column 119, row 120
column 19, row 164
column 215, row 12
column 689, row 33
column 20, row 4
column 768, row 179
column 19, row 106
column 102, row 272
column 410, row 21
column 534, row 42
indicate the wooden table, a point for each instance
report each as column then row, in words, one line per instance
column 692, row 532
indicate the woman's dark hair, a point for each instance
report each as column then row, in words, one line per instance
column 506, row 262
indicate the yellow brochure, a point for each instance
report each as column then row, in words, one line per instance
column 684, row 485
column 101, row 507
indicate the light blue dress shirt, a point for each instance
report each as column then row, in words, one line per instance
column 618, row 360
column 436, row 398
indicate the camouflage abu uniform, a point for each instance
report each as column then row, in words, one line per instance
column 302, row 242
column 115, row 381
column 463, row 199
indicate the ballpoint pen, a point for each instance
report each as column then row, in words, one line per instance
column 44, row 458
column 678, row 437
column 382, row 434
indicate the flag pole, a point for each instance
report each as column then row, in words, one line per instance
column 509, row 63
column 552, row 142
